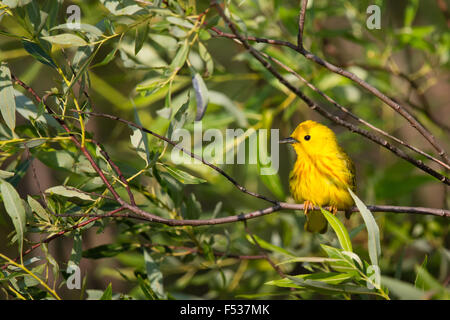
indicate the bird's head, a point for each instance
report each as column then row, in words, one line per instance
column 312, row 138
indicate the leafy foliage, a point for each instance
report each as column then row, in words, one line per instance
column 162, row 65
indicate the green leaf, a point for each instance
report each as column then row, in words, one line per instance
column 180, row 22
column 410, row 12
column 330, row 288
column 27, row 109
column 343, row 261
column 63, row 191
column 273, row 183
column 148, row 292
column 15, row 209
column 339, row 229
column 180, row 57
column 265, row 245
column 37, row 208
column 425, row 281
column 121, row 7
column 5, row 174
column 139, row 140
column 403, row 290
column 372, row 229
column 77, row 250
column 107, row 294
column 56, row 159
column 141, row 36
column 107, row 250
column 66, row 39
column 206, row 57
column 308, row 259
column 36, row 51
column 16, row 3
column 154, row 275
column 201, row 95
column 182, row 176
column 7, row 102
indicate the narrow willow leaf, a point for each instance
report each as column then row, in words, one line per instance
column 36, row 51
column 183, row 176
column 37, row 208
column 7, row 102
column 403, row 290
column 180, row 57
column 107, row 294
column 266, row 245
column 180, row 22
column 141, row 36
column 206, row 57
column 339, row 229
column 77, row 250
column 308, row 259
column 5, row 174
column 16, row 3
column 66, row 39
column 139, row 140
column 154, row 275
column 15, row 209
column 330, row 288
column 63, row 191
column 372, row 230
column 201, row 95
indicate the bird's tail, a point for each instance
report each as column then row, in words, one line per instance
column 316, row 222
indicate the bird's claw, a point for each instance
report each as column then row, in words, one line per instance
column 306, row 206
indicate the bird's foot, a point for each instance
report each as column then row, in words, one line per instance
column 333, row 210
column 306, row 206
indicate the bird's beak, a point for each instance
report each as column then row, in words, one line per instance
column 288, row 140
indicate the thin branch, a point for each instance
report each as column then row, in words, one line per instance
column 117, row 170
column 323, row 112
column 301, row 23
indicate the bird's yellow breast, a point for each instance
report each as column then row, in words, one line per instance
column 322, row 180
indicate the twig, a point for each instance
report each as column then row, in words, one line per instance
column 117, row 170
column 301, row 23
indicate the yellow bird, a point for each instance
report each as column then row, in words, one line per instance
column 321, row 174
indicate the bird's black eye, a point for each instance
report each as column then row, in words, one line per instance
column 307, row 137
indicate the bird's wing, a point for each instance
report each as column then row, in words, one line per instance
column 350, row 166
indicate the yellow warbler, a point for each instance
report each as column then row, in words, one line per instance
column 321, row 174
